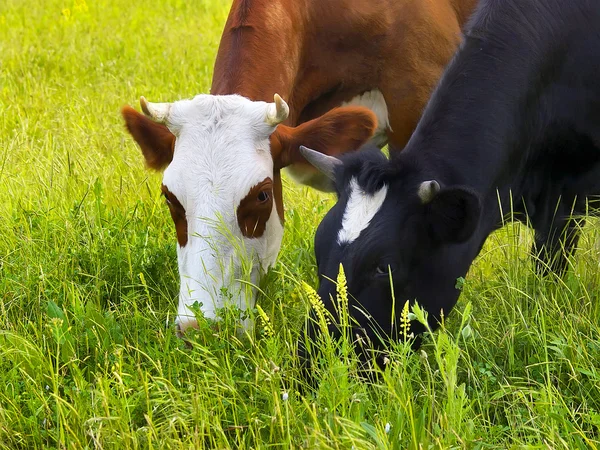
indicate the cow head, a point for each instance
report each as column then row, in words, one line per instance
column 396, row 231
column 221, row 158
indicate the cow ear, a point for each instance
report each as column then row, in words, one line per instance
column 155, row 140
column 336, row 132
column 452, row 214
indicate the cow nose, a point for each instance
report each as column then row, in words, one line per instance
column 182, row 323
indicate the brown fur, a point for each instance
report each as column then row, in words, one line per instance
column 252, row 213
column 178, row 215
column 155, row 140
column 317, row 54
column 333, row 133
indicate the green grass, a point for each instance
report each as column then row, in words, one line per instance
column 88, row 279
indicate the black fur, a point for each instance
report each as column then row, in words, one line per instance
column 517, row 113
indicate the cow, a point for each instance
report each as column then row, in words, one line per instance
column 350, row 70
column 513, row 124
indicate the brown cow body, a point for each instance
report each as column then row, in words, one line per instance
column 317, row 54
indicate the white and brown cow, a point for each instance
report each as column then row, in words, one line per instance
column 223, row 153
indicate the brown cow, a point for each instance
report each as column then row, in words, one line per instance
column 224, row 153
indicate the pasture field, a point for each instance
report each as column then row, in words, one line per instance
column 88, row 280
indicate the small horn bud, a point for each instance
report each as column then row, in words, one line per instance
column 159, row 112
column 428, row 190
column 277, row 112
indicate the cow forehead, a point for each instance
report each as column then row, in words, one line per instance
column 221, row 150
column 211, row 114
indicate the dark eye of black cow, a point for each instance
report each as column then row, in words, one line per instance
column 383, row 270
column 263, row 196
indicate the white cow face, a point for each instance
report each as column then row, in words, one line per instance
column 222, row 157
column 219, row 189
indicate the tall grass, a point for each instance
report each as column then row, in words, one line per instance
column 88, row 280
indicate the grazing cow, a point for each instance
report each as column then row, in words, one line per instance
column 223, row 153
column 514, row 123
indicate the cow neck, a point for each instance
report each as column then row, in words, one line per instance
column 260, row 51
column 475, row 124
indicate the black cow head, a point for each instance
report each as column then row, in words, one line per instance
column 392, row 222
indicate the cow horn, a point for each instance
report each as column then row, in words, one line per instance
column 277, row 112
column 428, row 190
column 324, row 163
column 159, row 112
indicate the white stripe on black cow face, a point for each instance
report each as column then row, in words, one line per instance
column 360, row 210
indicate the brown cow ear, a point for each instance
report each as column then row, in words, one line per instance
column 336, row 132
column 155, row 140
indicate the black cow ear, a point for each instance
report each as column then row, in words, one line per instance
column 453, row 214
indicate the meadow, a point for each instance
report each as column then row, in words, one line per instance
column 88, row 282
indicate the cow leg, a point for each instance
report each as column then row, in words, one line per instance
column 553, row 247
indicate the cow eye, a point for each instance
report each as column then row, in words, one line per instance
column 263, row 196
column 383, row 270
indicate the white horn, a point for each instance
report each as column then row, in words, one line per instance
column 277, row 112
column 428, row 190
column 324, row 163
column 159, row 112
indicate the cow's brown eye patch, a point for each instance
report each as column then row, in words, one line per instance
column 177, row 214
column 255, row 209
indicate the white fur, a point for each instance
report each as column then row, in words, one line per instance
column 375, row 102
column 221, row 152
column 360, row 210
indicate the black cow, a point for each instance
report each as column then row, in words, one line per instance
column 517, row 113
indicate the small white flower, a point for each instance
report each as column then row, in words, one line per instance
column 284, row 396
column 388, row 427
column 386, row 360
column 47, row 387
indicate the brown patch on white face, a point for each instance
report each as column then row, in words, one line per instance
column 178, row 214
column 278, row 194
column 255, row 209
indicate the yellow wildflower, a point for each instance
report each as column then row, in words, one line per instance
column 405, row 321
column 267, row 326
column 317, row 305
column 342, row 292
